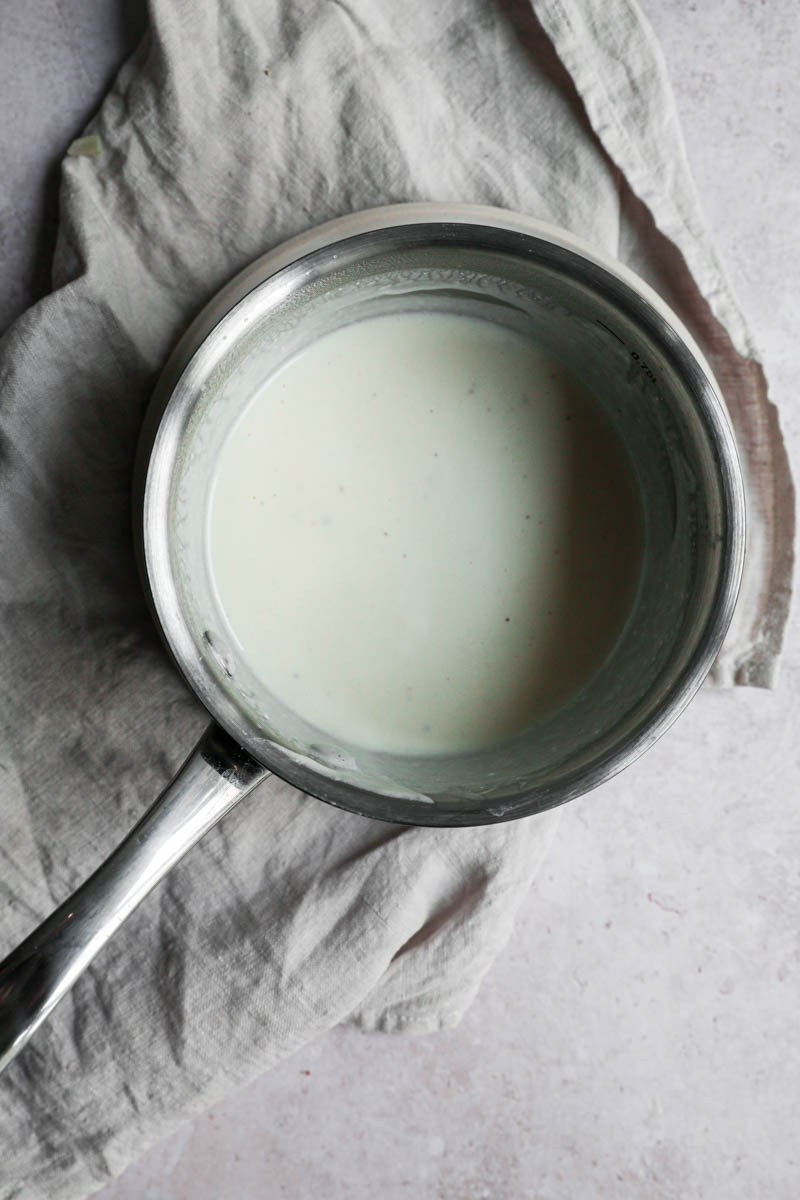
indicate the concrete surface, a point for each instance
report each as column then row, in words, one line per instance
column 640, row 1038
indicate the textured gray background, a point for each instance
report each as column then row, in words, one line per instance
column 640, row 1038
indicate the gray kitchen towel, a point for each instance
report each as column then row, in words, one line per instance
column 237, row 124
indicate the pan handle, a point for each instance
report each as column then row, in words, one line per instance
column 44, row 967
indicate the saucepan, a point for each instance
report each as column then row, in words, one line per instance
column 617, row 336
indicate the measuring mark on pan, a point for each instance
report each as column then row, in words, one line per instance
column 611, row 331
column 635, row 355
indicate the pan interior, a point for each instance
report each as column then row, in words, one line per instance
column 647, row 398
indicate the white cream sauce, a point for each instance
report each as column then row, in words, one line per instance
column 423, row 533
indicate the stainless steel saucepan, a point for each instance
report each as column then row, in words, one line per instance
column 619, row 338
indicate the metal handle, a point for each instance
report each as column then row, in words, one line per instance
column 44, row 967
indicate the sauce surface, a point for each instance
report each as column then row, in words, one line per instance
column 423, row 533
